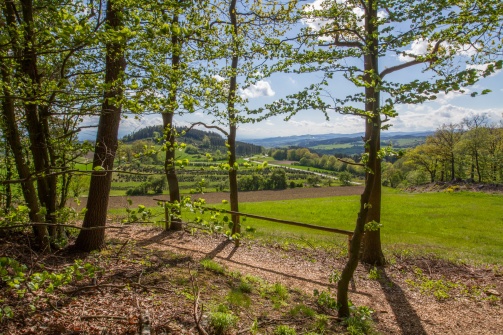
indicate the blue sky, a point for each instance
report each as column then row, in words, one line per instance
column 450, row 108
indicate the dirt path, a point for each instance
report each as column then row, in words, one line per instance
column 400, row 308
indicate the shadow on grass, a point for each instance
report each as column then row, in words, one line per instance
column 406, row 317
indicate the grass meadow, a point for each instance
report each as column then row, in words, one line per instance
column 460, row 226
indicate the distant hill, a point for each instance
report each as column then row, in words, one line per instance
column 199, row 138
column 343, row 144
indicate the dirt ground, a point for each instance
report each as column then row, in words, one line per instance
column 217, row 197
column 400, row 307
column 147, row 269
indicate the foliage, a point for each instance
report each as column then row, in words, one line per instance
column 360, row 322
column 284, row 330
column 345, row 178
column 212, row 266
column 374, row 274
column 22, row 281
column 325, row 300
column 439, row 288
column 221, row 322
column 142, row 213
column 155, row 185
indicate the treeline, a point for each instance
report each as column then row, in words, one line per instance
column 304, row 157
column 471, row 151
column 199, row 140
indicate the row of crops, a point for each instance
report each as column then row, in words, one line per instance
column 210, row 177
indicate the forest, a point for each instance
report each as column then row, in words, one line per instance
column 68, row 67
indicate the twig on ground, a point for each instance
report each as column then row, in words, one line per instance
column 197, row 312
column 115, row 317
column 120, row 250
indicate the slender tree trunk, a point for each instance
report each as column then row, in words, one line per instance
column 8, row 176
column 354, row 250
column 232, row 117
column 453, row 175
column 170, row 133
column 106, row 138
column 12, row 133
column 477, row 166
column 372, row 250
column 36, row 119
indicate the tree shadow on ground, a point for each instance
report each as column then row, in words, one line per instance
column 406, row 317
column 171, row 234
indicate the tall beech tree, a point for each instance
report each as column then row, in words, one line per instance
column 349, row 39
column 108, row 127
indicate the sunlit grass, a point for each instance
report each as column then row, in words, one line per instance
column 459, row 226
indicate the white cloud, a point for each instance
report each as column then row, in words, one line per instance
column 443, row 98
column 218, row 78
column 261, row 89
column 418, row 47
column 429, row 117
column 421, row 46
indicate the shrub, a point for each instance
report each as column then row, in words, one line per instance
column 345, row 178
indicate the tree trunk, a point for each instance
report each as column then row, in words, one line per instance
column 106, row 138
column 477, row 165
column 453, row 175
column 174, row 220
column 232, row 117
column 372, row 251
column 354, row 250
column 13, row 137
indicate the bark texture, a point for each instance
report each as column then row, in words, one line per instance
column 232, row 117
column 106, row 138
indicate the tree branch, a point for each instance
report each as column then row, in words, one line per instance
column 207, row 126
column 413, row 62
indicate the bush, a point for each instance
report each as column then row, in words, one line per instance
column 345, row 178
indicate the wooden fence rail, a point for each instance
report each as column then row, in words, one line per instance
column 348, row 233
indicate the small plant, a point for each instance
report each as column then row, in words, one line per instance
column 222, row 322
column 325, row 300
column 440, row 288
column 213, row 266
column 360, row 323
column 321, row 323
column 238, row 298
column 302, row 310
column 374, row 274
column 284, row 330
column 245, row 287
column 277, row 293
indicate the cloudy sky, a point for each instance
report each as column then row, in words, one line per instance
column 450, row 108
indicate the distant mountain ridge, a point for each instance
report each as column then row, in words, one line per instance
column 318, row 139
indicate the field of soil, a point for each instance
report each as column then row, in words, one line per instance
column 217, row 197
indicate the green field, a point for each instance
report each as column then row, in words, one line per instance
column 457, row 226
